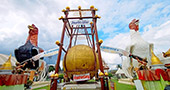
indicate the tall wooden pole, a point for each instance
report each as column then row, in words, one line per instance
column 98, row 48
column 92, row 36
column 54, row 81
column 71, row 37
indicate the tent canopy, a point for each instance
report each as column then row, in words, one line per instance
column 7, row 65
column 4, row 58
column 119, row 71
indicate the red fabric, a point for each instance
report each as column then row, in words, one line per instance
column 162, row 73
column 168, row 73
column 139, row 74
column 152, row 75
column 151, row 78
column 13, row 79
column 144, row 75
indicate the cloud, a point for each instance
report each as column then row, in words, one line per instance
column 121, row 40
column 159, row 36
column 156, row 11
column 113, row 26
column 16, row 18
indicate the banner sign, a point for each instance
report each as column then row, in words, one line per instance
column 81, row 77
column 80, row 22
column 114, row 50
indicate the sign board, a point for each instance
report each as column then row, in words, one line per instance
column 81, row 77
column 112, row 85
column 81, row 37
column 80, row 22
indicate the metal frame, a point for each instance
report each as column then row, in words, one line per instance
column 72, row 33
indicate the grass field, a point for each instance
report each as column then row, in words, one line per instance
column 43, row 88
column 119, row 86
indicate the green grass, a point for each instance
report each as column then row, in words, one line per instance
column 43, row 88
column 92, row 80
column 119, row 86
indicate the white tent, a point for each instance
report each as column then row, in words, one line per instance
column 4, row 58
column 119, row 71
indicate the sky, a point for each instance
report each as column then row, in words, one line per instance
column 154, row 16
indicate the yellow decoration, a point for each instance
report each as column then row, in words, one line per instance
column 7, row 65
column 95, row 9
column 80, row 59
column 64, row 88
column 52, row 75
column 96, row 16
column 100, row 41
column 63, row 10
column 79, row 7
column 91, row 22
column 57, row 42
column 99, row 17
column 101, row 74
column 154, row 59
column 68, row 8
column 106, row 74
column 60, row 18
column 30, row 27
column 56, row 75
column 91, row 6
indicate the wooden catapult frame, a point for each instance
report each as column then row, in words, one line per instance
column 73, row 32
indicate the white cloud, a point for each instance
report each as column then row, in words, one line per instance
column 155, row 14
column 159, row 36
column 15, row 18
column 111, row 58
column 115, row 17
column 121, row 40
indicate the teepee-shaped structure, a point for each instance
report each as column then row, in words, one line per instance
column 155, row 62
column 7, row 65
column 154, row 59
